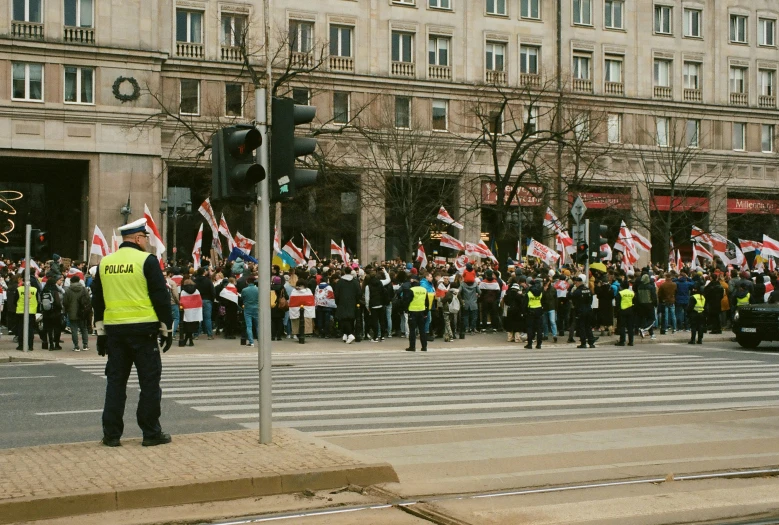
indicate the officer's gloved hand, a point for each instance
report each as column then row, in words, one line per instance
column 166, row 337
column 102, row 339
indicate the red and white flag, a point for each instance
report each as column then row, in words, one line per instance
column 703, row 251
column 302, row 297
column 99, row 244
column 641, row 242
column 245, row 244
column 447, row 241
column 207, row 211
column 625, row 243
column 116, row 241
column 196, row 248
column 294, row 252
column 421, row 256
column 543, row 252
column 552, row 222
column 605, row 248
column 224, row 230
column 306, row 248
column 769, row 287
column 444, row 216
column 770, row 247
column 694, row 262
column 750, row 246
column 155, row 239
column 460, row 263
column 276, row 239
column 439, row 261
column 344, row 253
column 566, row 241
column 485, row 251
column 75, row 271
column 192, row 304
column 33, row 266
column 229, row 292
column 335, row 249
column 698, row 235
column 679, row 263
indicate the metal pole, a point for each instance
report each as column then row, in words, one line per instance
column 589, row 248
column 175, row 233
column 264, row 362
column 26, row 343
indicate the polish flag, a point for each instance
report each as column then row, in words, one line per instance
column 192, row 305
column 229, row 292
column 444, row 216
column 99, row 244
column 447, row 241
column 196, row 249
column 224, row 230
column 245, row 244
column 207, row 211
column 302, row 298
column 294, row 252
column 770, row 247
column 421, row 256
column 155, row 239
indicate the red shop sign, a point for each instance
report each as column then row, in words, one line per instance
column 601, row 201
column 693, row 204
column 753, row 206
column 530, row 195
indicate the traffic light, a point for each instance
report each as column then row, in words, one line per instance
column 285, row 148
column 234, row 174
column 582, row 253
column 597, row 233
column 39, row 244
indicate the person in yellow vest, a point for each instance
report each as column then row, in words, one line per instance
column 31, row 314
column 535, row 314
column 418, row 312
column 742, row 295
column 131, row 304
column 696, row 309
column 627, row 321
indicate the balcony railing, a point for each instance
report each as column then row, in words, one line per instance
column 614, row 88
column 530, row 80
column 496, row 77
column 666, row 92
column 345, row 64
column 78, row 35
column 739, row 99
column 403, row 69
column 582, row 85
column 28, row 30
column 439, row 72
column 766, row 101
column 302, row 60
column 189, row 50
column 693, row 95
column 231, row 54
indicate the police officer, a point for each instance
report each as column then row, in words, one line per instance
column 626, row 318
column 418, row 311
column 132, row 309
column 695, row 313
column 535, row 314
column 31, row 315
column 581, row 297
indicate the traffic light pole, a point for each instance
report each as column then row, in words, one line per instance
column 26, row 326
column 587, row 237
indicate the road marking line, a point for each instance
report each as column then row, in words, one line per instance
column 66, row 412
column 26, row 377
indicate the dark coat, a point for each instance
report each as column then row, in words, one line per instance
column 72, row 302
column 348, row 295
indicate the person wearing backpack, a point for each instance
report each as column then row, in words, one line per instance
column 51, row 308
column 78, row 307
column 451, row 307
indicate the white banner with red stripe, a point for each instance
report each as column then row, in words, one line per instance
column 302, row 297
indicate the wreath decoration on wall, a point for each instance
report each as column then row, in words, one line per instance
column 130, row 97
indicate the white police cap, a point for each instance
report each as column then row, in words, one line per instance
column 138, row 226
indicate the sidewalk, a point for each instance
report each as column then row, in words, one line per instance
column 82, row 478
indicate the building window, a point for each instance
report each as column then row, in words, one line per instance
column 692, row 75
column 28, row 11
column 301, row 36
column 767, row 138
column 341, row 41
column 440, row 4
column 663, row 72
column 301, row 96
column 496, row 7
column 581, row 127
column 233, row 100
column 739, row 136
column 404, row 2
column 693, row 133
column 662, row 128
column 766, row 31
column 613, row 17
column 531, row 120
column 582, row 12
column 738, row 77
column 581, row 67
column 78, row 13
column 530, row 9
column 615, row 128
column 80, row 85
column 495, row 123
column 341, row 101
column 403, row 112
column 440, row 118
column 233, row 29
column 438, row 51
column 528, row 60
column 738, row 29
column 189, row 26
column 496, row 54
column 692, row 23
column 663, row 15
column 766, row 77
column 190, row 97
column 613, row 71
column 402, row 46
column 27, row 82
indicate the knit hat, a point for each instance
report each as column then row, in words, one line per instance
column 414, row 271
column 276, row 279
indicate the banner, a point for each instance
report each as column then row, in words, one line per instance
column 208, row 213
column 543, row 252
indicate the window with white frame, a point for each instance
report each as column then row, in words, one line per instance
column 613, row 70
column 233, row 29
column 766, row 82
column 438, row 50
column 615, row 128
column 739, row 136
column 581, row 126
column 440, row 115
column 402, row 46
column 440, row 4
column 233, row 100
column 663, row 72
column 692, row 23
column 528, row 60
column 404, row 2
column 301, row 96
column 28, row 11
column 301, row 36
column 79, row 85
column 530, row 9
column 766, row 32
column 614, row 15
column 738, row 80
column 190, row 97
column 341, row 103
column 403, row 112
column 692, row 133
column 495, row 56
column 27, row 83
column 531, row 120
column 738, row 29
column 582, row 67
column 496, row 7
column 341, row 41
column 582, row 12
column 767, row 138
column 78, row 13
column 663, row 16
column 662, row 130
column 189, row 26
column 692, row 75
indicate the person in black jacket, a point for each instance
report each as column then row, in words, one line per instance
column 52, row 318
column 581, row 297
column 713, row 293
column 348, row 294
column 205, row 286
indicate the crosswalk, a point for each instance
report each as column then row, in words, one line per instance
column 321, row 392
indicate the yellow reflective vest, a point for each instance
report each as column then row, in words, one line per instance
column 33, row 300
column 533, row 301
column 125, row 290
column 741, row 301
column 420, row 300
column 626, row 298
column 700, row 303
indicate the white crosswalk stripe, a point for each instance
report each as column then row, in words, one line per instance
column 362, row 390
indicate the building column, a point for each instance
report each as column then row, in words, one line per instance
column 372, row 228
column 718, row 210
column 642, row 220
column 470, row 207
